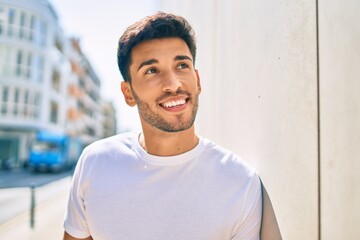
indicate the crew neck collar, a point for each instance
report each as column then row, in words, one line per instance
column 167, row 160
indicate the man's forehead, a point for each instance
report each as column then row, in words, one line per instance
column 156, row 48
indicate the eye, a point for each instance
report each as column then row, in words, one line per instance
column 182, row 66
column 151, row 71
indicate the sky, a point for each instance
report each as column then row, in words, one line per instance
column 99, row 25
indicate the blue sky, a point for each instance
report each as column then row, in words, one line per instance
column 99, row 24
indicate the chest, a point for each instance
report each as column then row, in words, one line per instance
column 160, row 204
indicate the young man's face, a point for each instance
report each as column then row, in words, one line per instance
column 164, row 84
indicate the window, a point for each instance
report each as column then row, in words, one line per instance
column 22, row 25
column 38, row 31
column 89, row 112
column 19, row 62
column 29, row 66
column 36, row 38
column 1, row 18
column 5, row 60
column 54, row 112
column 56, row 80
column 37, row 105
column 41, row 68
column 42, row 40
column 26, row 98
column 94, row 96
column 11, row 20
column 11, row 17
column 37, row 68
column 16, row 101
column 81, row 83
column 58, row 45
column 81, row 106
column 17, row 96
column 5, row 96
column 2, row 60
column 26, row 101
column 32, row 27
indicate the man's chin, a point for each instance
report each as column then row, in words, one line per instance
column 175, row 127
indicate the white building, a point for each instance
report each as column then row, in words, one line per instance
column 109, row 119
column 31, row 66
column 84, row 100
column 46, row 82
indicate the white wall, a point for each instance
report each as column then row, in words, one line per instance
column 339, row 40
column 258, row 65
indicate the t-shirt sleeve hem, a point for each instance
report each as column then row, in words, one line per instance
column 74, row 232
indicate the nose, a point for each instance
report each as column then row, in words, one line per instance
column 171, row 82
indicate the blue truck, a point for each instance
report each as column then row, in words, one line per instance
column 53, row 152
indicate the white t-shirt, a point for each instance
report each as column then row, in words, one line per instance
column 120, row 191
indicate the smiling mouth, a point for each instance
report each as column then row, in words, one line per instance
column 174, row 104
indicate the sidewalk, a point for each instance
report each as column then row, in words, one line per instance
column 49, row 215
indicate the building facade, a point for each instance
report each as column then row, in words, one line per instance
column 31, row 91
column 84, row 113
column 46, row 83
column 109, row 120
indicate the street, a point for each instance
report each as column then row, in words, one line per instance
column 15, row 192
column 24, row 178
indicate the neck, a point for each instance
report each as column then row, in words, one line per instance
column 160, row 143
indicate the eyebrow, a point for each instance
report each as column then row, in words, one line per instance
column 152, row 61
column 147, row 62
column 182, row 57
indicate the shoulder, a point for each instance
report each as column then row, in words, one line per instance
column 227, row 162
column 107, row 150
column 118, row 143
column 232, row 175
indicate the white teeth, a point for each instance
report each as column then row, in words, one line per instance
column 174, row 103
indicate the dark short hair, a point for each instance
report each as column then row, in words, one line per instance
column 159, row 25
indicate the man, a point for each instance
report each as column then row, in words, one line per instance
column 165, row 182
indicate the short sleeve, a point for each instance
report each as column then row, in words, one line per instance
column 249, row 228
column 75, row 222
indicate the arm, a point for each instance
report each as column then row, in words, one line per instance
column 269, row 226
column 69, row 237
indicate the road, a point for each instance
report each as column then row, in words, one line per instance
column 15, row 191
column 23, row 178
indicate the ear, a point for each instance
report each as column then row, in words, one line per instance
column 128, row 96
column 198, row 82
